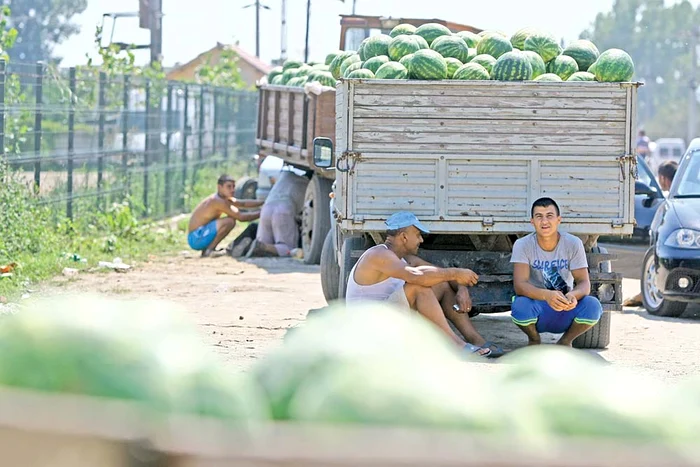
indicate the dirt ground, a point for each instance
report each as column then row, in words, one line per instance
column 245, row 307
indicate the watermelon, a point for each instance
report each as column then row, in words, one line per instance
column 431, row 31
column 563, row 66
column 548, row 77
column 304, row 70
column 288, row 74
column 331, row 56
column 276, row 71
column 517, row 40
column 591, row 69
column 487, row 61
column 352, row 67
column 428, row 65
column 471, row 71
column 614, row 65
column 392, row 70
column 337, row 61
column 486, row 32
column 406, row 62
column 326, row 79
column 374, row 63
column 422, row 43
column 361, row 49
column 297, row 81
column 470, row 38
column 451, row 46
column 584, row 52
column 361, row 74
column 536, row 62
column 544, row 44
column 377, row 45
column 582, row 76
column 452, row 65
column 472, row 54
column 512, row 66
column 403, row 29
column 347, row 62
column 494, row 45
column 401, row 46
column 277, row 80
column 289, row 64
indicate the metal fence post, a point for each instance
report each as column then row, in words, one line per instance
column 185, row 133
column 201, row 123
column 37, row 125
column 215, row 133
column 71, row 143
column 2, row 109
column 168, row 135
column 100, row 134
column 146, row 158
column 125, row 135
column 227, row 122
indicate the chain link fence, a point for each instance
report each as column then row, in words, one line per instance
column 81, row 139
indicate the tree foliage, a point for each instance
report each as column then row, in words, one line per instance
column 41, row 24
column 658, row 37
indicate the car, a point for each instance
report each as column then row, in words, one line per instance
column 671, row 266
column 647, row 199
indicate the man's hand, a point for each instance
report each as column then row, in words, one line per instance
column 466, row 277
column 464, row 301
column 558, row 301
column 573, row 301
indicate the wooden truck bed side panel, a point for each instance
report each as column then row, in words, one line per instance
column 473, row 156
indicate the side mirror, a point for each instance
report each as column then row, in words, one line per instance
column 641, row 188
column 323, row 153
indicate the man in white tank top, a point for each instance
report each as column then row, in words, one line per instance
column 392, row 272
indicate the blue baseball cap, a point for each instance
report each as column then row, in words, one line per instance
column 402, row 219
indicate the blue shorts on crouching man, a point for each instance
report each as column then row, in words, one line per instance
column 202, row 236
column 527, row 311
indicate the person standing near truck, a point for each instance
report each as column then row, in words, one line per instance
column 392, row 272
column 550, row 276
column 207, row 228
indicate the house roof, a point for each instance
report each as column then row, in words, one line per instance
column 250, row 59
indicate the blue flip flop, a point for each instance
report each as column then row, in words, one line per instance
column 498, row 352
column 474, row 349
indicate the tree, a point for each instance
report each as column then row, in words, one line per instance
column 658, row 38
column 41, row 24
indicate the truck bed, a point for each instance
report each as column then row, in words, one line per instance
column 289, row 120
column 471, row 157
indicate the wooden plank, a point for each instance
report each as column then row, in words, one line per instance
column 289, row 128
column 489, row 139
column 262, row 114
column 387, row 155
column 418, row 125
column 498, row 102
column 506, row 150
column 276, row 126
column 487, row 113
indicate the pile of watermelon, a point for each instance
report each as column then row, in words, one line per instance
column 433, row 52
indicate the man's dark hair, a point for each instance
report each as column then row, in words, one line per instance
column 668, row 169
column 642, row 133
column 544, row 203
column 225, row 178
column 395, row 232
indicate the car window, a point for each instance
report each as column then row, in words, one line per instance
column 689, row 183
column 644, row 174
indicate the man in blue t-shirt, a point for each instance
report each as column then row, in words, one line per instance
column 550, row 276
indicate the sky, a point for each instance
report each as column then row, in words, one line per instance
column 192, row 27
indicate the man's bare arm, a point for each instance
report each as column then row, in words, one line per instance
column 425, row 275
column 247, row 203
column 583, row 283
column 235, row 213
column 417, row 262
column 523, row 287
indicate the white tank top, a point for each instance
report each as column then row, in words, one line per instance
column 380, row 291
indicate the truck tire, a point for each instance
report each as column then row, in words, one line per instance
column 245, row 188
column 598, row 337
column 347, row 261
column 315, row 219
column 605, row 266
column 330, row 271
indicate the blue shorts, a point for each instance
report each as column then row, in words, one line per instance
column 527, row 311
column 201, row 237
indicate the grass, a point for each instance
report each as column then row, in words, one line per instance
column 42, row 241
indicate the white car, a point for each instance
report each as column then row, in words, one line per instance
column 268, row 173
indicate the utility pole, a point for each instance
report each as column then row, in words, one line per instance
column 306, row 42
column 693, row 100
column 155, row 9
column 257, row 6
column 283, row 35
column 354, row 3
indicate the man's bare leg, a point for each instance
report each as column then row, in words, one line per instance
column 447, row 298
column 423, row 300
column 533, row 337
column 224, row 226
column 573, row 332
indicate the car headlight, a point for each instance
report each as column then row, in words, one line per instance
column 683, row 238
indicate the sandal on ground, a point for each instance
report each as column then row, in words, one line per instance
column 474, row 349
column 496, row 350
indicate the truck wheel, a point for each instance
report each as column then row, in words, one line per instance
column 330, row 271
column 347, row 261
column 605, row 266
column 315, row 219
column 245, row 188
column 598, row 337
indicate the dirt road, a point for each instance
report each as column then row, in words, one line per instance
column 244, row 309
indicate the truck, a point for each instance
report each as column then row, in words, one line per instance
column 289, row 119
column 469, row 158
